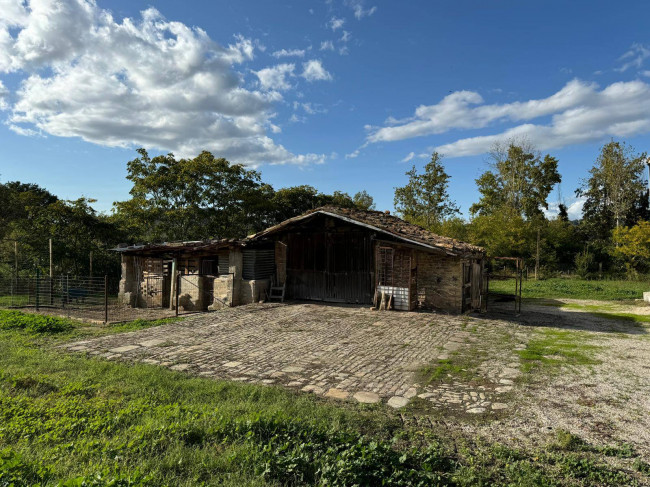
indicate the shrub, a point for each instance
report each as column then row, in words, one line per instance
column 584, row 261
column 33, row 323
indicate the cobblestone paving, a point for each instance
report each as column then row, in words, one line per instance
column 345, row 353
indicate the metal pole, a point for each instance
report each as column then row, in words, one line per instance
column 51, row 272
column 105, row 299
column 38, row 278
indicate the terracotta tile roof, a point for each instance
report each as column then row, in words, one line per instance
column 386, row 223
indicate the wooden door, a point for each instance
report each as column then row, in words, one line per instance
column 477, row 276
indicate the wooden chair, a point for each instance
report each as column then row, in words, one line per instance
column 276, row 291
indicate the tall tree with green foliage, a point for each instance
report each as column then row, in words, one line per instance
column 363, row 201
column 192, row 199
column 614, row 187
column 520, row 179
column 425, row 200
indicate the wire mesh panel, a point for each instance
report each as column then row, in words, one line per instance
column 83, row 298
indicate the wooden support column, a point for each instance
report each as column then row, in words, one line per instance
column 173, row 291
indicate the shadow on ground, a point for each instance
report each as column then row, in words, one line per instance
column 538, row 312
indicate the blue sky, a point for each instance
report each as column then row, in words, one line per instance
column 340, row 94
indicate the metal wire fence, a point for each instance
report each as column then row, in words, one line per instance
column 91, row 299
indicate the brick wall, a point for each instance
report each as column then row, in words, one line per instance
column 439, row 282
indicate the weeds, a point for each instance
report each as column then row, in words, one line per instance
column 556, row 348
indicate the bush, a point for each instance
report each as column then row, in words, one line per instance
column 584, row 261
column 33, row 323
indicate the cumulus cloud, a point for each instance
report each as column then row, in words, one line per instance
column 580, row 112
column 336, row 23
column 275, row 77
column 574, row 209
column 4, row 94
column 313, row 70
column 136, row 82
column 346, row 36
column 289, row 53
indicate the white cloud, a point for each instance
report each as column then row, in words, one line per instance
column 410, row 156
column 4, row 94
column 313, row 70
column 634, row 58
column 346, row 36
column 574, row 209
column 144, row 82
column 275, row 77
column 336, row 23
column 309, row 107
column 580, row 113
column 289, row 53
column 358, row 7
column 327, row 46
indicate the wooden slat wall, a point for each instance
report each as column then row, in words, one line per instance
column 330, row 266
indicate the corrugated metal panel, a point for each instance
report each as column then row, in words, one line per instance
column 258, row 263
column 223, row 262
column 400, row 296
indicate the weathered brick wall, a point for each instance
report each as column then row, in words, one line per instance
column 439, row 282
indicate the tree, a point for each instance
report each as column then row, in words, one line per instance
column 519, row 179
column 363, row 201
column 425, row 200
column 192, row 199
column 615, row 186
column 633, row 245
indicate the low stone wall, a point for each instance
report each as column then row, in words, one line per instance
column 439, row 282
column 253, row 291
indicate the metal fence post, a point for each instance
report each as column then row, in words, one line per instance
column 105, row 299
column 38, row 283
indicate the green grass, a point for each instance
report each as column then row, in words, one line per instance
column 556, row 348
column 66, row 419
column 575, row 289
column 607, row 311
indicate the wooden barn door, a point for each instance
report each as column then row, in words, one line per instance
column 330, row 266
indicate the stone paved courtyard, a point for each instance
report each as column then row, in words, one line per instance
column 342, row 352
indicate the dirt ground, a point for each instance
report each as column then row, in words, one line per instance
column 605, row 403
column 463, row 373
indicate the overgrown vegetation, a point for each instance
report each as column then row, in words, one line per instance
column 33, row 323
column 70, row 420
column 610, row 290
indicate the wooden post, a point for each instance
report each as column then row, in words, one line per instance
column 51, row 268
column 177, row 279
column 16, row 257
column 105, row 297
column 537, row 255
column 91, row 263
column 173, row 292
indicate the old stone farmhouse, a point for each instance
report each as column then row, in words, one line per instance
column 328, row 254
